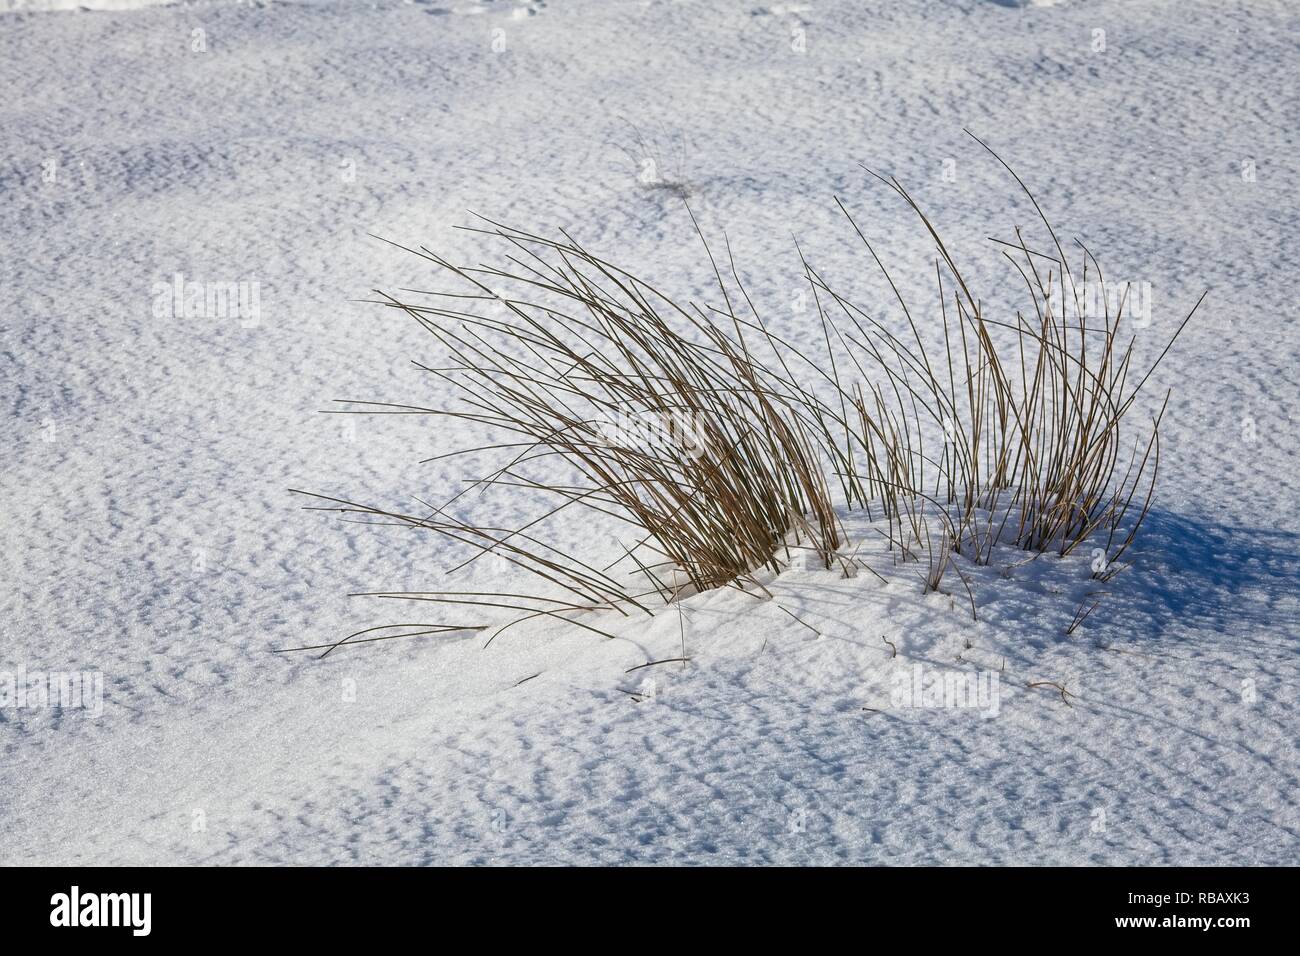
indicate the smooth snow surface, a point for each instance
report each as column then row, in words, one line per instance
column 149, row 534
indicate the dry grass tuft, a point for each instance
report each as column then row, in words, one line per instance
column 1017, row 418
column 718, row 440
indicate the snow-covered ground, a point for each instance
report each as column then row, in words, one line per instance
column 149, row 536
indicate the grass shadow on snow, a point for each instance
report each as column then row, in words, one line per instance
column 1195, row 573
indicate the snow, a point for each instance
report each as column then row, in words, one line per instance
column 46, row 6
column 149, row 534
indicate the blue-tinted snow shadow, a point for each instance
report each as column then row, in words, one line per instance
column 1195, row 573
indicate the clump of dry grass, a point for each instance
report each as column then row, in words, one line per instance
column 682, row 437
column 667, row 418
column 1026, row 410
column 718, row 440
